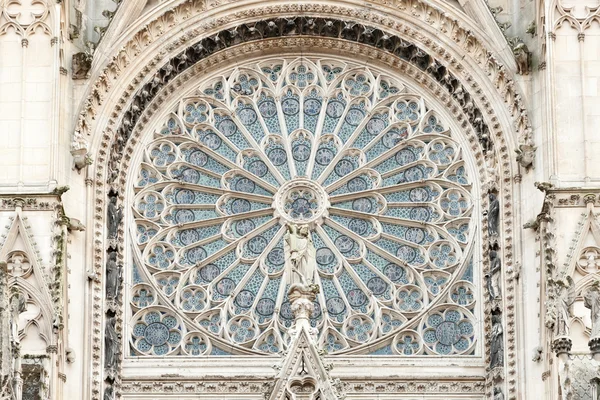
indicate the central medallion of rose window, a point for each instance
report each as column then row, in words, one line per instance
column 350, row 152
column 301, row 201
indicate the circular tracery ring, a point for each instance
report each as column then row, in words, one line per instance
column 347, row 150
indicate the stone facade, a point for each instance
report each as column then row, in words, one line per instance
column 299, row 200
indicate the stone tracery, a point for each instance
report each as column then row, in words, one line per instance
column 350, row 151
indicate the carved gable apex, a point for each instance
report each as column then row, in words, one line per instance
column 24, row 267
column 584, row 251
column 303, row 375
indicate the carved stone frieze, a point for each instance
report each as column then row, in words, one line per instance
column 233, row 386
column 42, row 203
column 242, row 385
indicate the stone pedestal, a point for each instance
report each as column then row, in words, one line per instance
column 302, row 299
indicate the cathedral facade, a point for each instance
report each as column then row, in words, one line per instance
column 308, row 200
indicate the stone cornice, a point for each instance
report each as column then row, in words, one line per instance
column 574, row 197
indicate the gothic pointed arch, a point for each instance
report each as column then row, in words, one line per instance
column 170, row 95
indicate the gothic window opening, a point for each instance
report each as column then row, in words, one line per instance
column 355, row 156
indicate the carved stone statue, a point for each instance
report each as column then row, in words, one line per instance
column 493, row 215
column 497, row 342
column 108, row 393
column 565, row 296
column 114, row 273
column 115, row 215
column 522, row 55
column 526, row 156
column 300, row 255
column 491, row 171
column 111, row 341
column 495, row 287
column 81, row 65
column 591, row 300
column 498, row 395
column 18, row 304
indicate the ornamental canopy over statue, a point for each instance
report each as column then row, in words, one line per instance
column 303, row 171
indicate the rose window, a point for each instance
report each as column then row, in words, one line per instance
column 354, row 156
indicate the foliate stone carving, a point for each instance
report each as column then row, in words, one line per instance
column 28, row 203
column 414, row 386
column 207, row 385
column 258, row 386
column 562, row 345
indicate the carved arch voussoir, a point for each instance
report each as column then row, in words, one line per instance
column 465, row 42
column 144, row 93
column 328, row 46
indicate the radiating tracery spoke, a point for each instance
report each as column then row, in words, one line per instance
column 370, row 170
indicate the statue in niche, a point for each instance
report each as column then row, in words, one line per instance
column 494, row 285
column 114, row 275
column 591, row 300
column 565, row 296
column 115, row 215
column 300, row 255
column 497, row 342
column 108, row 393
column 498, row 395
column 493, row 215
column 18, row 304
column 111, row 341
column 491, row 170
